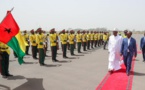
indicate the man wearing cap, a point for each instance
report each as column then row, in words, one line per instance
column 95, row 38
column 105, row 40
column 53, row 44
column 114, row 46
column 84, row 40
column 92, row 39
column 4, row 52
column 67, row 34
column 40, row 42
column 79, row 41
column 88, row 40
column 71, row 42
column 33, row 44
column 63, row 38
column 125, row 34
column 26, row 37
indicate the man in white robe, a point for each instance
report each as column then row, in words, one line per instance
column 114, row 46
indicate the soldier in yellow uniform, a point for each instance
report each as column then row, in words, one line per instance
column 63, row 38
column 88, row 40
column 95, row 38
column 92, row 39
column 99, row 40
column 105, row 38
column 5, row 52
column 33, row 44
column 79, row 41
column 125, row 34
column 26, row 37
column 67, row 34
column 53, row 44
column 40, row 46
column 71, row 42
column 84, row 40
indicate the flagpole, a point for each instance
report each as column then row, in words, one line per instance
column 12, row 9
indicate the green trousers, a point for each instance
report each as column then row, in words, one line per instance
column 79, row 46
column 72, row 47
column 5, row 64
column 41, row 55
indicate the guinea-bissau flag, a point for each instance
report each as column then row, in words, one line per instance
column 10, row 34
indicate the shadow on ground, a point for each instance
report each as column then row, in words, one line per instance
column 31, row 84
column 3, row 87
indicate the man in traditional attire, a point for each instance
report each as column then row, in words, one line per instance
column 114, row 46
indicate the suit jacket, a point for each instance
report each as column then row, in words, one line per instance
column 131, row 47
column 142, row 42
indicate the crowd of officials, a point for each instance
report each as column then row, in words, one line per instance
column 39, row 41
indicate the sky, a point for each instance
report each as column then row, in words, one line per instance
column 85, row 14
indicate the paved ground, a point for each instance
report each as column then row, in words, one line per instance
column 82, row 72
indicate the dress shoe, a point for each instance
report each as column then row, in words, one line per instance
column 65, row 57
column 35, row 58
column 9, row 75
column 43, row 64
column 55, row 60
column 4, row 76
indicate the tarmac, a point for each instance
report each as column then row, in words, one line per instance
column 84, row 71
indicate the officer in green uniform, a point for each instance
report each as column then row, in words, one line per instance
column 4, row 51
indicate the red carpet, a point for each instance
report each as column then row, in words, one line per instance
column 118, row 80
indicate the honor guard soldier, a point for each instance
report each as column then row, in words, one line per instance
column 92, row 39
column 67, row 34
column 71, row 42
column 88, row 40
column 125, row 34
column 40, row 42
column 84, row 40
column 95, row 38
column 33, row 44
column 53, row 44
column 4, row 52
column 105, row 38
column 63, row 38
column 79, row 41
column 26, row 38
column 99, row 40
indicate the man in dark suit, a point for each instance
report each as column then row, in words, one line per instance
column 142, row 47
column 128, row 49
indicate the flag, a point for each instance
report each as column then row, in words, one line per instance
column 10, row 34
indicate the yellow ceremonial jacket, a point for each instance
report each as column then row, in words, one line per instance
column 71, row 38
column 4, row 47
column 63, row 38
column 33, row 39
column 40, row 41
column 53, row 39
column 79, row 37
column 26, row 37
column 88, row 36
column 84, row 37
column 96, row 36
column 92, row 36
column 105, row 38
